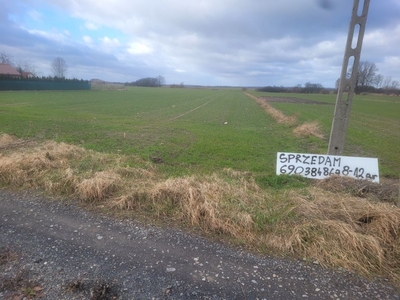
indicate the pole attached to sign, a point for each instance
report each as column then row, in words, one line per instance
column 343, row 106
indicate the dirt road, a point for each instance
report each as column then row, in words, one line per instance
column 59, row 251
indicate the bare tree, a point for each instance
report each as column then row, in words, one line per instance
column 378, row 81
column 160, row 80
column 5, row 58
column 395, row 84
column 59, row 67
column 312, row 88
column 391, row 86
column 366, row 75
column 386, row 82
column 23, row 66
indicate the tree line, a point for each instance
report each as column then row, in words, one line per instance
column 41, row 78
column 370, row 81
column 308, row 88
column 148, row 82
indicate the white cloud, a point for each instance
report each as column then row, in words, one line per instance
column 390, row 67
column 383, row 40
column 139, row 48
column 248, row 42
column 91, row 26
column 87, row 39
column 110, row 43
column 54, row 34
column 35, row 15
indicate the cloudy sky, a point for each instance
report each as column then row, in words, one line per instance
column 206, row 42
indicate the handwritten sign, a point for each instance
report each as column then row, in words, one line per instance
column 321, row 166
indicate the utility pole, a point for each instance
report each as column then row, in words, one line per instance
column 348, row 83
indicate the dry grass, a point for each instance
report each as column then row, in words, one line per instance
column 305, row 130
column 209, row 203
column 309, row 129
column 277, row 115
column 6, row 140
column 98, row 187
column 330, row 223
column 203, row 203
column 345, row 231
column 65, row 169
column 385, row 191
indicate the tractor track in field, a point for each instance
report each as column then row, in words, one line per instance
column 188, row 112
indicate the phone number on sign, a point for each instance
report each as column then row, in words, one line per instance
column 325, row 171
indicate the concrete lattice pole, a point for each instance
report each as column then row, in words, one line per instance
column 348, row 83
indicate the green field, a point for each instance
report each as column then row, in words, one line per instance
column 374, row 126
column 198, row 130
column 204, row 159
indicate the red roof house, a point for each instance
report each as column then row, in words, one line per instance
column 26, row 74
column 6, row 69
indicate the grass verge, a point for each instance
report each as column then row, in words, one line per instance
column 326, row 223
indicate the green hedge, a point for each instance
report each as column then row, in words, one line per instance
column 21, row 85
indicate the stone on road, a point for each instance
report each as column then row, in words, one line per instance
column 75, row 254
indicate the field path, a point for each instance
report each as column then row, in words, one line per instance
column 185, row 113
column 70, row 253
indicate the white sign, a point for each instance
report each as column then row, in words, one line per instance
column 321, row 166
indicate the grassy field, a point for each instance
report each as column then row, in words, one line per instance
column 374, row 127
column 204, row 159
column 198, row 130
column 185, row 128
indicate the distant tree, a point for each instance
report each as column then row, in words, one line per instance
column 297, row 88
column 274, row 89
column 366, row 76
column 337, row 85
column 148, row 82
column 378, row 81
column 23, row 66
column 312, row 88
column 392, row 87
column 59, row 67
column 160, row 80
column 368, row 80
column 5, row 58
column 387, row 82
column 177, row 85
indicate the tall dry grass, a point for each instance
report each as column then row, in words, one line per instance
column 304, row 130
column 335, row 228
column 65, row 169
column 338, row 229
column 276, row 114
column 309, row 129
column 6, row 140
column 100, row 186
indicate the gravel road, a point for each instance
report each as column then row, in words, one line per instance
column 65, row 252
